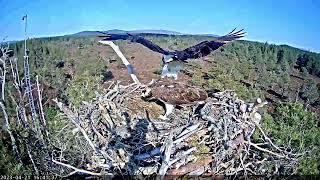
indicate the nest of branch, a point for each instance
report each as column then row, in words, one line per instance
column 127, row 138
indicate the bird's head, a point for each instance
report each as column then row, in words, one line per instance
column 146, row 93
column 168, row 58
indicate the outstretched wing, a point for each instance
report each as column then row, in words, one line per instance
column 133, row 38
column 103, row 34
column 113, row 37
column 149, row 44
column 233, row 35
column 206, row 47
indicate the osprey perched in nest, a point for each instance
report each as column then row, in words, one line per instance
column 173, row 94
column 171, row 59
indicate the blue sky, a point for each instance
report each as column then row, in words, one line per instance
column 292, row 22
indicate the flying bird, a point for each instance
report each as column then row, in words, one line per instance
column 173, row 94
column 169, row 68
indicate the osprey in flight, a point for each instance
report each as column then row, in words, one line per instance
column 170, row 68
column 173, row 94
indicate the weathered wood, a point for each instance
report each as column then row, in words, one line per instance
column 190, row 167
column 222, row 130
column 43, row 120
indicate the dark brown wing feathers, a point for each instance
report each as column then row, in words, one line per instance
column 206, row 47
column 149, row 44
column 199, row 50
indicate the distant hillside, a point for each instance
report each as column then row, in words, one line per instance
column 155, row 32
column 75, row 69
column 245, row 66
column 118, row 31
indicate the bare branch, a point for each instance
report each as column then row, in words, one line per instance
column 265, row 150
column 43, row 120
column 79, row 170
column 167, row 147
column 75, row 120
column 8, row 129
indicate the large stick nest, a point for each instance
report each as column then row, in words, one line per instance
column 127, row 138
